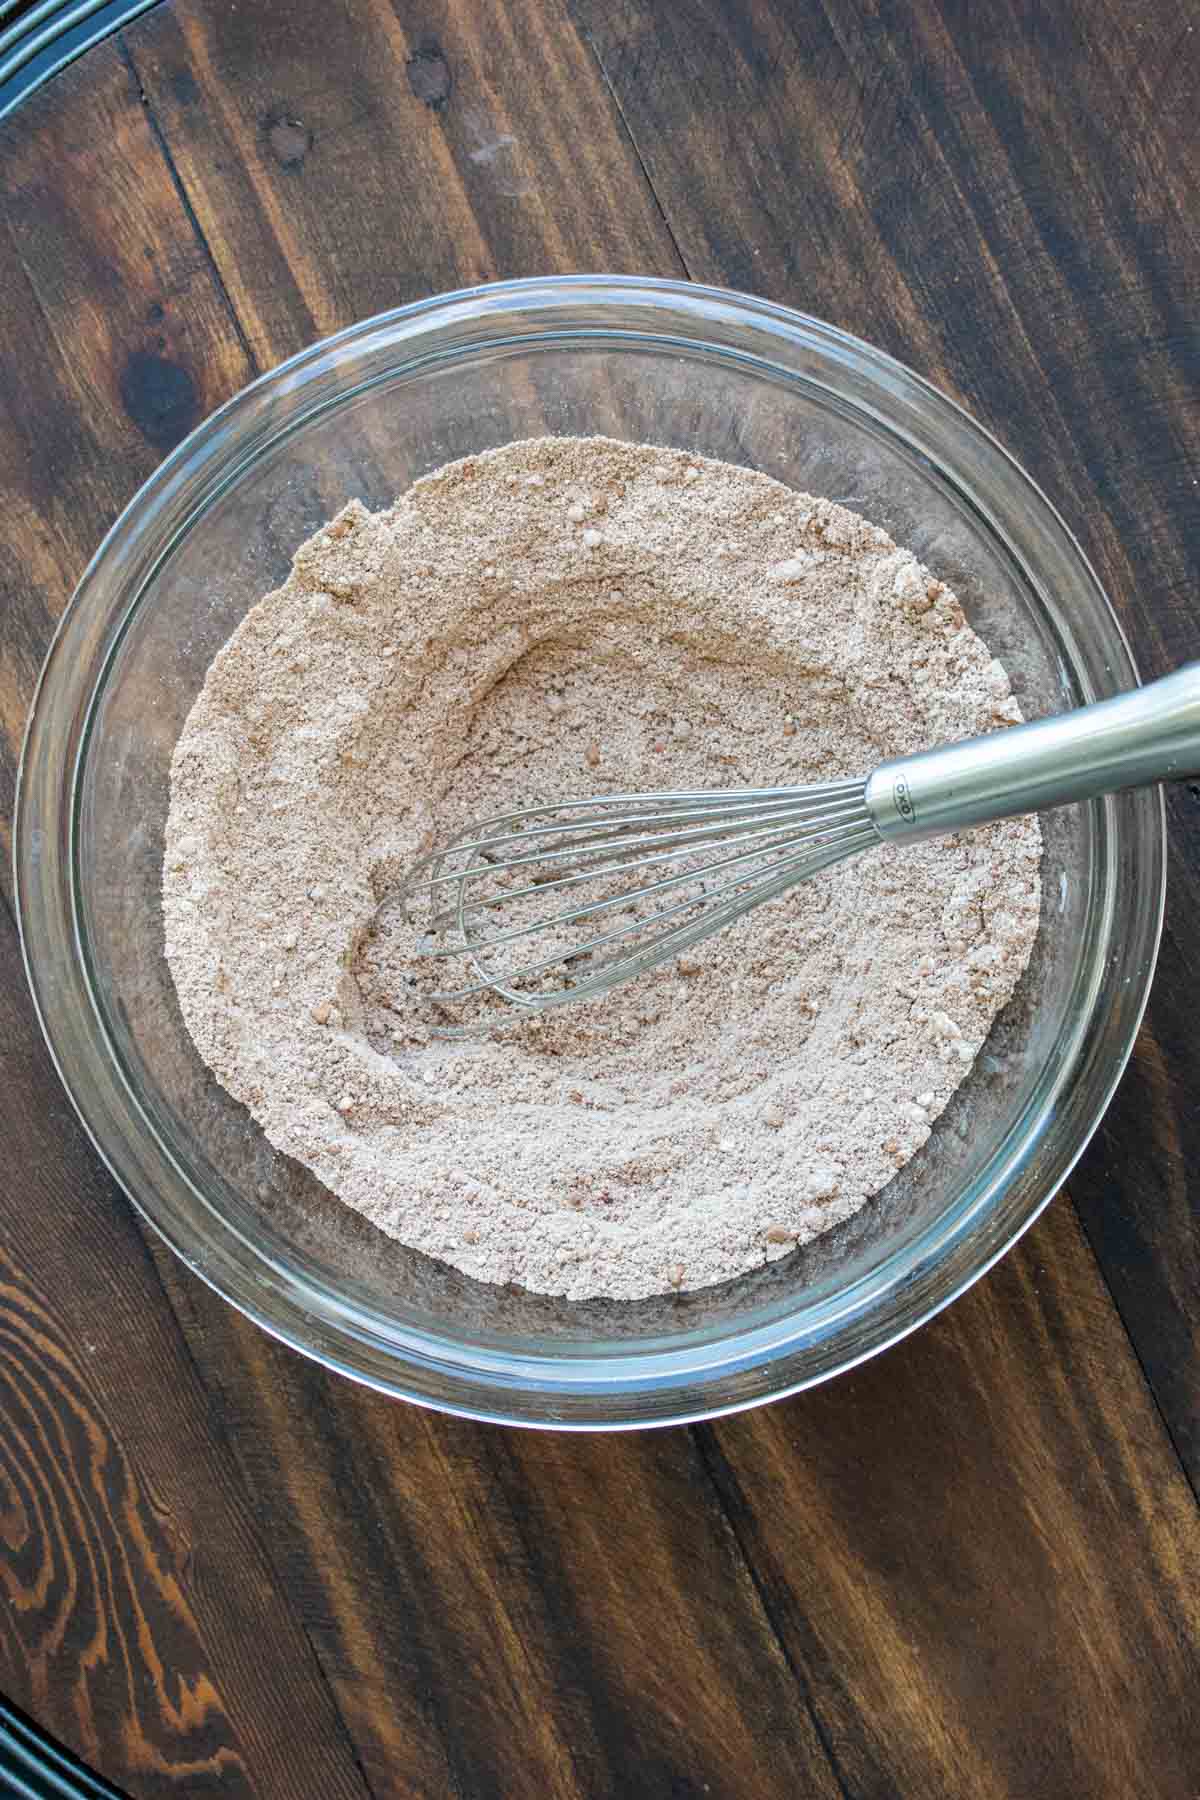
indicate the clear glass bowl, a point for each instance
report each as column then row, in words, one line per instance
column 363, row 414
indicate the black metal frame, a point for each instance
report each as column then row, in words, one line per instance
column 39, row 37
column 34, row 1767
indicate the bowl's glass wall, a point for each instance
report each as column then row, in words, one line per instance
column 241, row 546
column 794, row 400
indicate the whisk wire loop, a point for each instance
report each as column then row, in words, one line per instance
column 498, row 889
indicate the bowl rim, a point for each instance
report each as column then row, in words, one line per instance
column 673, row 1389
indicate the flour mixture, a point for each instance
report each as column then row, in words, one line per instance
column 568, row 616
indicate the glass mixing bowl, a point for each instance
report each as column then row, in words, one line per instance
column 362, row 415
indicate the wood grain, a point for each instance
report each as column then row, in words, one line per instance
column 969, row 1567
column 1009, row 209
column 936, row 1538
column 928, row 1547
column 117, row 340
column 140, row 1620
column 515, row 1613
column 373, row 154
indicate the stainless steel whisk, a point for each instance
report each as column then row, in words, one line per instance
column 559, row 903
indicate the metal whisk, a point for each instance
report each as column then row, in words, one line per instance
column 560, row 903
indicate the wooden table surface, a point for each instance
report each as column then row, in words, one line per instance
column 971, row 1567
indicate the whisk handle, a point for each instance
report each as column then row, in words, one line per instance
column 1151, row 734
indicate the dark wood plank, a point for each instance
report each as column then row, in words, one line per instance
column 981, row 1549
column 140, row 1619
column 1011, row 210
column 345, row 160
column 514, row 1613
column 117, row 340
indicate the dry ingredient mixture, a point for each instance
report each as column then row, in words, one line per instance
column 571, row 616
